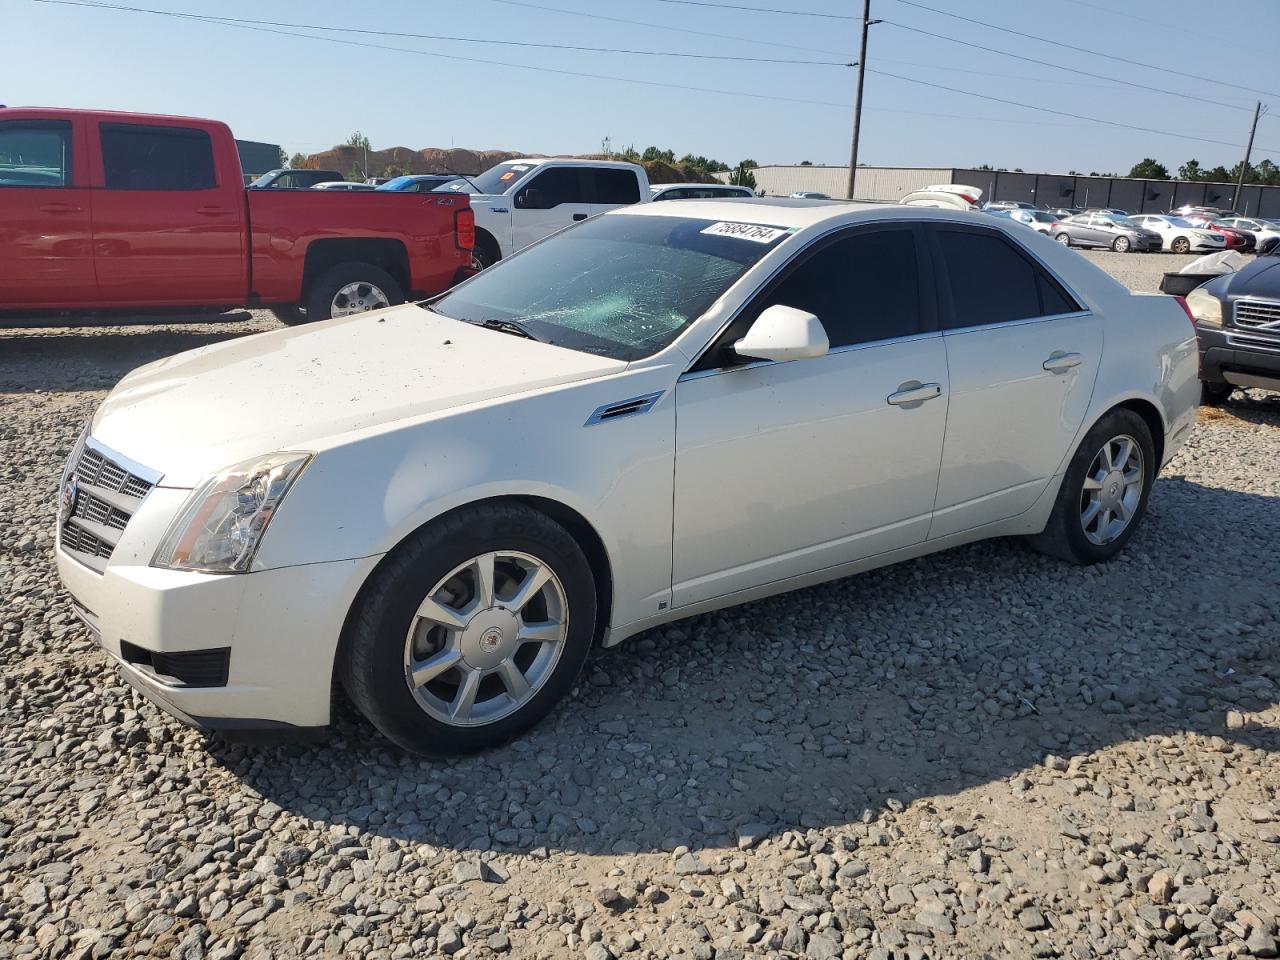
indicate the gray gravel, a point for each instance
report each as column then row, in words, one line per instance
column 983, row 752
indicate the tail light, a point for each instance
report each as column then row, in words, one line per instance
column 464, row 228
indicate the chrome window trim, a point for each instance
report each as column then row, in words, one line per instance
column 975, row 327
column 834, row 351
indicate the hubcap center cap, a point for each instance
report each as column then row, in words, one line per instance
column 489, row 638
column 1113, row 488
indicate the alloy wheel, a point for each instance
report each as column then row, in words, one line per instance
column 358, row 297
column 486, row 638
column 1112, row 490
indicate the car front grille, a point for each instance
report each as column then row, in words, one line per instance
column 96, row 503
column 1258, row 315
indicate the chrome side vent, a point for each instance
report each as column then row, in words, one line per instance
column 624, row 408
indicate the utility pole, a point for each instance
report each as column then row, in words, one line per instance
column 1257, row 112
column 867, row 23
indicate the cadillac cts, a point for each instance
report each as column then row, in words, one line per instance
column 653, row 414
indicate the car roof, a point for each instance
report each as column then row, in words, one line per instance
column 700, row 186
column 793, row 212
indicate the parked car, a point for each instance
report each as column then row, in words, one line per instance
column 1241, row 240
column 809, row 195
column 1063, row 212
column 1238, row 325
column 947, row 196
column 1113, row 211
column 1209, row 213
column 291, row 179
column 459, row 499
column 418, row 183
column 1037, row 220
column 1105, row 230
column 521, row 201
column 151, row 211
column 347, row 185
column 1008, row 205
column 1179, row 235
column 698, row 191
column 1265, row 235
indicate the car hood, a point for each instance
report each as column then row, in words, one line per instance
column 1260, row 278
column 304, row 388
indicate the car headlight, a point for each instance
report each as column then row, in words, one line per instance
column 1205, row 307
column 221, row 524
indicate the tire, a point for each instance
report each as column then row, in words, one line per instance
column 1064, row 239
column 1121, row 245
column 484, row 253
column 290, row 315
column 1065, row 535
column 362, row 285
column 1214, row 394
column 388, row 635
column 1180, row 245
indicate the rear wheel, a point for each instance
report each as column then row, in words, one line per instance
column 349, row 288
column 1120, row 245
column 472, row 631
column 1104, row 492
column 1180, row 245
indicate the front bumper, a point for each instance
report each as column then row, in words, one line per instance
column 1229, row 355
column 279, row 630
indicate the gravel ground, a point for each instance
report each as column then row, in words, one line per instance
column 979, row 753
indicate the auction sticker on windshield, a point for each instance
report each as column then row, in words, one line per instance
column 746, row 231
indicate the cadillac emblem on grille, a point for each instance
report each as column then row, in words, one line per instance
column 67, row 501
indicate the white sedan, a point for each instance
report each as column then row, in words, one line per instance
column 665, row 410
column 1181, row 236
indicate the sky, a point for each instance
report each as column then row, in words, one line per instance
column 309, row 92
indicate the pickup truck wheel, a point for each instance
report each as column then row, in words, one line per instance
column 472, row 631
column 351, row 288
column 1104, row 492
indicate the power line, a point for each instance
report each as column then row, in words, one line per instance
column 1077, row 49
column 664, row 26
column 1181, row 31
column 1061, row 113
column 989, row 73
column 1074, row 69
column 441, row 37
column 739, row 6
column 201, row 18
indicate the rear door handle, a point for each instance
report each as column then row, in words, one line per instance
column 59, row 208
column 579, row 216
column 1060, row 362
column 914, row 393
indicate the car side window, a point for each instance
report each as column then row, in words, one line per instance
column 35, row 153
column 559, row 185
column 139, row 156
column 615, row 186
column 993, row 282
column 863, row 288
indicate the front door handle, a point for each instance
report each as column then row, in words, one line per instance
column 59, row 208
column 1060, row 362
column 913, row 393
column 579, row 216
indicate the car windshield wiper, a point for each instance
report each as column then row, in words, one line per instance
column 507, row 326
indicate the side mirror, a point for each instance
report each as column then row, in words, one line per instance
column 531, row 199
column 783, row 333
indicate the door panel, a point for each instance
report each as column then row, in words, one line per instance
column 565, row 195
column 166, row 230
column 786, row 468
column 46, row 252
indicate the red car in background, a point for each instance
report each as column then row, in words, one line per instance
column 125, row 211
column 1241, row 240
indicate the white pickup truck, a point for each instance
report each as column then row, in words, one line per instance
column 521, row 201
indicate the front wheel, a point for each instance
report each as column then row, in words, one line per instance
column 1104, row 492
column 1120, row 245
column 472, row 631
column 1064, row 239
column 349, row 288
column 1180, row 245
column 1214, row 394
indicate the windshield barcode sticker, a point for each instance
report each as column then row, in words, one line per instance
column 746, row 231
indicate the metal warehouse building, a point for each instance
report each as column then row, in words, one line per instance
column 1049, row 189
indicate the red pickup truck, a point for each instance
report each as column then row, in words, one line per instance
column 121, row 210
